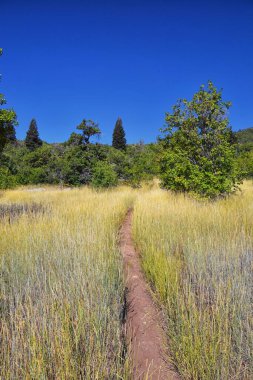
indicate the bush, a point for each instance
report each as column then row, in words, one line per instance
column 7, row 180
column 103, row 176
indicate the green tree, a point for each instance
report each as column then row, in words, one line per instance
column 32, row 140
column 89, row 129
column 118, row 137
column 199, row 150
column 103, row 175
column 7, row 118
column 10, row 133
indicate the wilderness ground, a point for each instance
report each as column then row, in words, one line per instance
column 63, row 284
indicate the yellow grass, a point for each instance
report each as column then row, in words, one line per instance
column 198, row 258
column 61, row 286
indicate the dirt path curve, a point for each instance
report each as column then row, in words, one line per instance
column 144, row 333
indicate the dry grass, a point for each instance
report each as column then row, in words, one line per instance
column 61, row 285
column 198, row 258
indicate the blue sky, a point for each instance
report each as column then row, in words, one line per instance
column 68, row 60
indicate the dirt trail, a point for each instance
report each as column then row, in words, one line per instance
column 144, row 332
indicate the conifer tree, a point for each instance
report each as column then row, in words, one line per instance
column 118, row 137
column 32, row 140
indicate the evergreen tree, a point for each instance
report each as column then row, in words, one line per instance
column 32, row 140
column 199, row 146
column 118, row 137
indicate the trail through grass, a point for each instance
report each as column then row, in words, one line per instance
column 62, row 291
column 198, row 258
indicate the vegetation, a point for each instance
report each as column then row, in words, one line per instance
column 61, row 285
column 245, row 152
column 103, row 175
column 199, row 146
column 7, row 121
column 198, row 259
column 89, row 129
column 118, row 137
column 32, row 140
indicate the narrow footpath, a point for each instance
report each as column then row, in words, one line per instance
column 145, row 336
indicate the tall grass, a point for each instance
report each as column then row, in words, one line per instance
column 61, row 286
column 198, row 258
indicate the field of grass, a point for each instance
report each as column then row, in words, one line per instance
column 62, row 290
column 61, row 287
column 198, row 258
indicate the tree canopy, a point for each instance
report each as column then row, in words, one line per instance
column 199, row 146
column 89, row 129
column 7, row 118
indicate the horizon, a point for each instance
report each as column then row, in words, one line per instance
column 67, row 61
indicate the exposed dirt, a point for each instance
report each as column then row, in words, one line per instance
column 145, row 336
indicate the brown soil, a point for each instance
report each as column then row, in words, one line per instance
column 145, row 336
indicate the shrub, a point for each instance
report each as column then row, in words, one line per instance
column 103, row 175
column 7, row 180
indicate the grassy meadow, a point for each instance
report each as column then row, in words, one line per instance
column 61, row 284
column 198, row 258
column 62, row 290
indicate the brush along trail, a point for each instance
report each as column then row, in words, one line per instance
column 145, row 336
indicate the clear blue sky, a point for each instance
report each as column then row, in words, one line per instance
column 68, row 60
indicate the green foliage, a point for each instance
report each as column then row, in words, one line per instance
column 10, row 133
column 118, row 138
column 75, row 139
column 7, row 118
column 245, row 140
column 245, row 163
column 7, row 180
column 89, row 129
column 199, row 147
column 32, row 140
column 103, row 176
column 245, row 136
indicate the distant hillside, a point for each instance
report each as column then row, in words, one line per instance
column 245, row 136
column 245, row 139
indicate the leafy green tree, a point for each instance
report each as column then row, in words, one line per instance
column 10, row 133
column 118, row 137
column 199, row 151
column 32, row 140
column 7, row 118
column 89, row 129
column 103, row 175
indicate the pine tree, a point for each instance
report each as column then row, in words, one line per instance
column 118, row 137
column 32, row 140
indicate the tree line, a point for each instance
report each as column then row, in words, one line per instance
column 196, row 153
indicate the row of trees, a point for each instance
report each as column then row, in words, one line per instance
column 197, row 152
column 88, row 128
